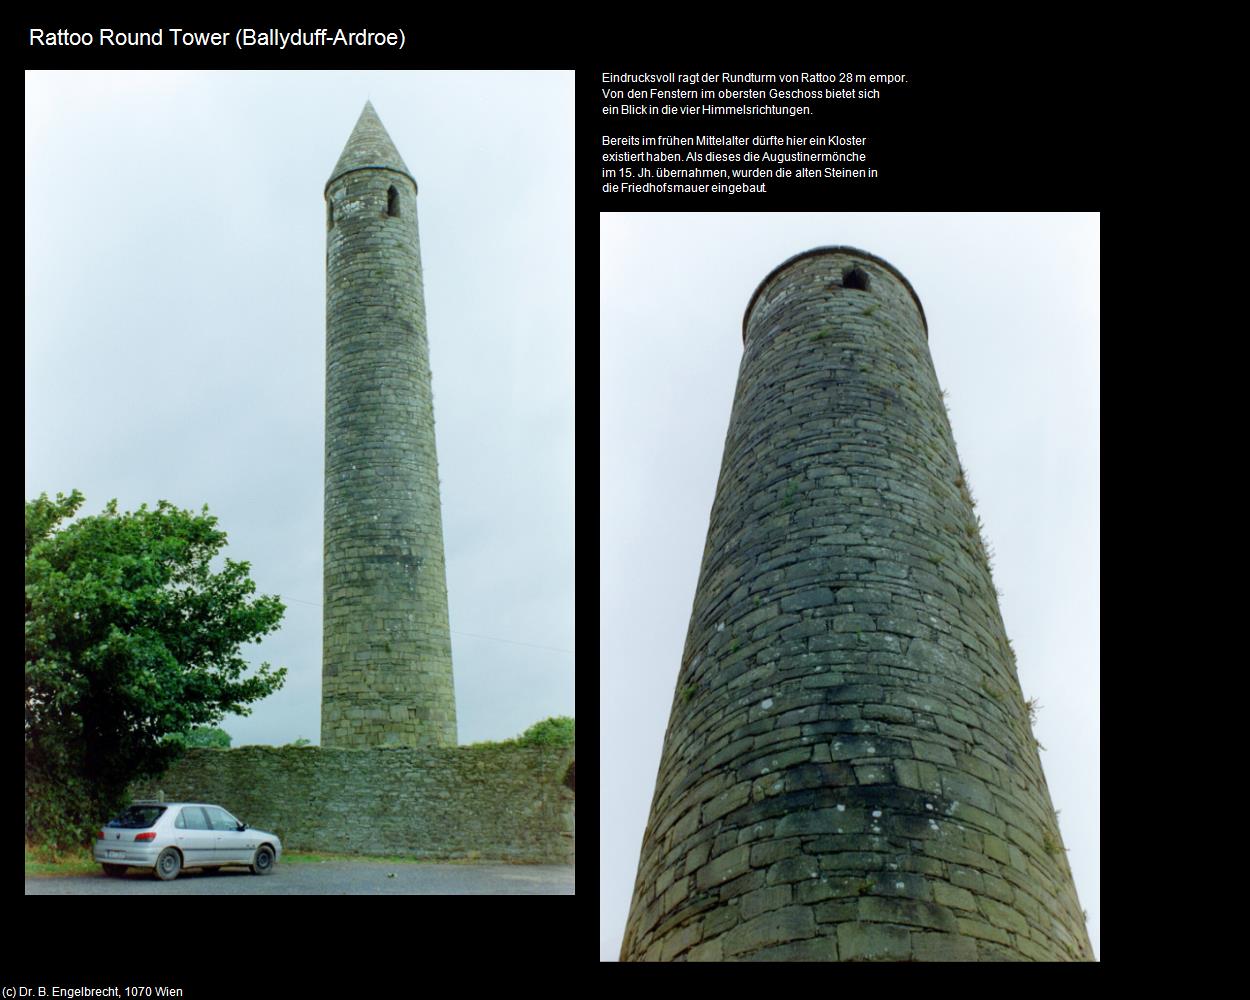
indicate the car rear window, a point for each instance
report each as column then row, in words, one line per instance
column 137, row 817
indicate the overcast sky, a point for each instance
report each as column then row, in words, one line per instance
column 1013, row 308
column 175, row 340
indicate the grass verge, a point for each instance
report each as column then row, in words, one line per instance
column 40, row 861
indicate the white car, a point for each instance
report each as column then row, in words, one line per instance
column 170, row 836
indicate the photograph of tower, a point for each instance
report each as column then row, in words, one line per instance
column 337, row 308
column 850, row 769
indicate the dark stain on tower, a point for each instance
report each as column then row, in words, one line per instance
column 849, row 770
column 386, row 648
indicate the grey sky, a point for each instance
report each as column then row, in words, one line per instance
column 1013, row 308
column 175, row 339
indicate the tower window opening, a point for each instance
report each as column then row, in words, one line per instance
column 329, row 215
column 855, row 277
column 392, row 201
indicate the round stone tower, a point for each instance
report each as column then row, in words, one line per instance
column 386, row 649
column 849, row 771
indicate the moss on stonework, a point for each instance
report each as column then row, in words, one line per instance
column 992, row 689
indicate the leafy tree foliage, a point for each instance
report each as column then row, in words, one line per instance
column 557, row 731
column 554, row 731
column 201, row 736
column 131, row 637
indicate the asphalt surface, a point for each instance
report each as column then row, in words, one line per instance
column 333, row 878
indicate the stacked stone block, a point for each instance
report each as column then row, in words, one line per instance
column 849, row 771
column 386, row 669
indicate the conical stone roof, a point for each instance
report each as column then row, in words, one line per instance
column 369, row 148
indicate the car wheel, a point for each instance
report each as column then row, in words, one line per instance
column 262, row 864
column 168, row 865
column 116, row 871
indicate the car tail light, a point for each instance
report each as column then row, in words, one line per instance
column 100, row 835
column 150, row 835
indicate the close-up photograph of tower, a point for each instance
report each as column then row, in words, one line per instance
column 851, row 768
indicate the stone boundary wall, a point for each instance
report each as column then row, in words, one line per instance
column 490, row 802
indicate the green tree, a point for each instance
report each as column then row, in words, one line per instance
column 557, row 730
column 201, row 736
column 131, row 637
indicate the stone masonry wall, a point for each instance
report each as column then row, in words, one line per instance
column 488, row 802
column 849, row 771
column 386, row 671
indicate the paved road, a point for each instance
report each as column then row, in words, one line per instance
column 333, row 878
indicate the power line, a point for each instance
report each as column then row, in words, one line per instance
column 514, row 642
column 475, row 635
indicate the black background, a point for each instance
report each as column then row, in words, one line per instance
column 996, row 117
